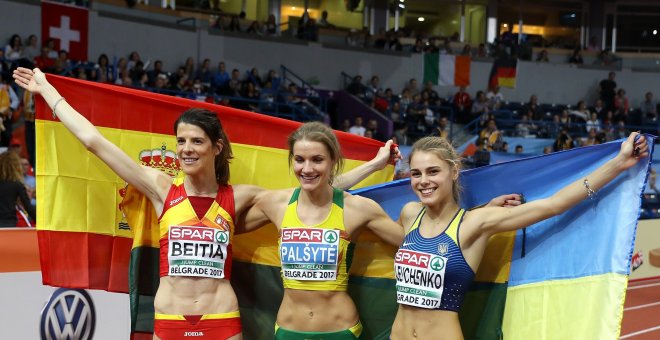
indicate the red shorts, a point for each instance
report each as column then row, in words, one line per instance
column 191, row 327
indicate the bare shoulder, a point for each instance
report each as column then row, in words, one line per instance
column 410, row 210
column 358, row 202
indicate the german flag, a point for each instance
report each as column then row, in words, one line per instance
column 503, row 73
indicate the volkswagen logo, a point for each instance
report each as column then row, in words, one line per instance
column 68, row 315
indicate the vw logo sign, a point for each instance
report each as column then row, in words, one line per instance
column 68, row 315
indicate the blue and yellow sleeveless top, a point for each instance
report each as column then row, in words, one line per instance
column 432, row 272
column 315, row 257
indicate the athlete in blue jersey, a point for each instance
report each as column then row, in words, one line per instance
column 444, row 244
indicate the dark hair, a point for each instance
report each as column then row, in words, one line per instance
column 210, row 123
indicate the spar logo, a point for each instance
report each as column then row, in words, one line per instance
column 302, row 235
column 413, row 258
column 183, row 233
column 69, row 314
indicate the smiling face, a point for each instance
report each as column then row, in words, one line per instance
column 312, row 164
column 195, row 150
column 432, row 178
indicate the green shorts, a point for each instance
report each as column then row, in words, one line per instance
column 352, row 333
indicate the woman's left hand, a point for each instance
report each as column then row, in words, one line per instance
column 633, row 149
column 387, row 154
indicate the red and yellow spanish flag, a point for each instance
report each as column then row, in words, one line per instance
column 85, row 240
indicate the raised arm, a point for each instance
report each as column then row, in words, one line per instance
column 493, row 220
column 150, row 182
column 386, row 155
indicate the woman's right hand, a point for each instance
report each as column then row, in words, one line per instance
column 31, row 80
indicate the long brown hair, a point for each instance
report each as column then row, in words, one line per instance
column 445, row 151
column 318, row 132
column 10, row 167
column 210, row 123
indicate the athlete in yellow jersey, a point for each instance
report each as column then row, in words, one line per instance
column 317, row 224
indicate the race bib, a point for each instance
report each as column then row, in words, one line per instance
column 197, row 251
column 419, row 278
column 309, row 254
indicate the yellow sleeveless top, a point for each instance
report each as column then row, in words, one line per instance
column 315, row 257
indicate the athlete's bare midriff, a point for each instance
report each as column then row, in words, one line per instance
column 418, row 323
column 194, row 296
column 316, row 311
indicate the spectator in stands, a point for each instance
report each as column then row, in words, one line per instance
column 323, row 22
column 608, row 125
column 274, row 80
column 418, row 47
column 401, row 135
column 621, row 106
column 221, row 77
column 13, row 190
column 234, row 24
column 356, row 87
column 204, row 74
column 543, row 57
column 504, row 147
column 392, row 42
column 429, row 93
column 390, row 97
column 9, row 103
column 491, row 136
column 462, row 104
column 566, row 119
column 251, row 93
column 482, row 154
column 553, row 129
column 189, row 65
column 481, row 51
column 271, row 28
column 53, row 53
column 581, row 111
column 32, row 49
column 467, row 50
column 395, row 113
column 525, row 127
column 519, row 149
column 563, row 142
column 606, row 89
column 357, row 128
column 234, row 87
column 593, row 123
column 307, row 29
column 29, row 180
column 373, row 89
column 443, row 128
column 590, row 139
column 346, row 125
column 532, row 108
column 416, row 112
column 14, row 48
column 599, row 109
column 576, row 58
column 431, row 46
column 620, row 130
column 480, row 105
column 43, row 61
column 605, row 58
column 254, row 28
column 412, row 87
column 495, row 98
column 104, row 72
column 133, row 59
column 178, row 79
column 368, row 134
column 547, row 150
column 62, row 64
column 157, row 71
column 372, row 128
column 649, row 107
column 446, row 47
column 137, row 73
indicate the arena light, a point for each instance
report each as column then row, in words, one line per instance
column 420, row 19
column 402, row 5
column 655, row 32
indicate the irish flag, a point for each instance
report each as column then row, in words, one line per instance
column 447, row 69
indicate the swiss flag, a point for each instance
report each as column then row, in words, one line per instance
column 68, row 26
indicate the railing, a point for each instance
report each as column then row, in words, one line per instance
column 309, row 90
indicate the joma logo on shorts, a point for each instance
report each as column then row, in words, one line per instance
column 193, row 334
